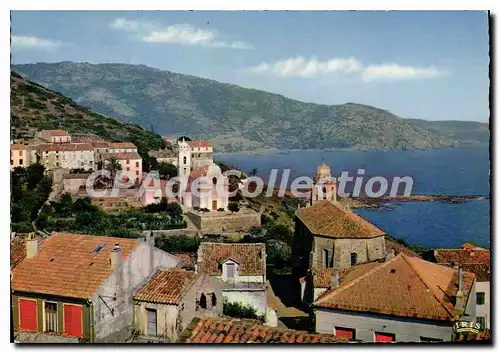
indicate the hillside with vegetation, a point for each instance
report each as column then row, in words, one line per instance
column 34, row 108
column 238, row 119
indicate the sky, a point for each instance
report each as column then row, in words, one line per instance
column 427, row 65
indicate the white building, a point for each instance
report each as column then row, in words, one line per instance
column 67, row 156
column 403, row 299
column 242, row 270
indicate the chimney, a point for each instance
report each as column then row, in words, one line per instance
column 460, row 276
column 115, row 256
column 31, row 247
column 335, row 278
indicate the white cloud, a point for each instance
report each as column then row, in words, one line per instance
column 398, row 72
column 301, row 67
column 184, row 34
column 29, row 42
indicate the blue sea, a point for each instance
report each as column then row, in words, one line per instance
column 458, row 171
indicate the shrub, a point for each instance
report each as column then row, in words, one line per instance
column 241, row 310
column 179, row 243
column 220, row 209
column 233, row 207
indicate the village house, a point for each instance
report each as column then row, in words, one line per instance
column 167, row 303
column 130, row 163
column 121, row 147
column 164, row 156
column 403, row 299
column 327, row 235
column 67, row 156
column 52, row 136
column 473, row 259
column 82, row 286
column 242, row 270
column 19, row 155
column 229, row 330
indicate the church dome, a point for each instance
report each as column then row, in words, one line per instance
column 323, row 171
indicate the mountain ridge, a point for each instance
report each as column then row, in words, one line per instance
column 239, row 119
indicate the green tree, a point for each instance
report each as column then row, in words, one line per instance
column 254, row 172
column 233, row 207
column 113, row 166
column 167, row 170
column 65, row 206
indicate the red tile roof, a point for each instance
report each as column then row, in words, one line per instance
column 482, row 271
column 404, row 286
column 66, row 147
column 399, row 248
column 470, row 246
column 122, row 155
column 330, row 220
column 462, row 256
column 17, row 251
column 188, row 258
column 18, row 146
column 230, row 330
column 199, row 144
column 67, row 266
column 251, row 258
column 56, row 132
column 121, row 145
column 166, row 286
column 322, row 277
column 85, row 139
column 99, row 144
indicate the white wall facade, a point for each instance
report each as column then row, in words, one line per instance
column 484, row 310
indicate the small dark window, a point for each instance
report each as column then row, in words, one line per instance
column 481, row 320
column 325, row 258
column 214, row 180
column 184, row 160
column 20, row 162
column 324, row 191
column 480, row 298
column 354, row 258
column 214, row 300
column 203, row 301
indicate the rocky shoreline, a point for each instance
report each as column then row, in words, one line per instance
column 385, row 201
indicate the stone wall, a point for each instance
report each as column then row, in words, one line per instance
column 238, row 222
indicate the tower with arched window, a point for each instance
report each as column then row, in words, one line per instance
column 324, row 185
column 184, row 159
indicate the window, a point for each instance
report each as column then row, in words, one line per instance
column 128, row 161
column 20, row 162
column 384, row 337
column 137, row 164
column 325, row 258
column 214, row 300
column 151, row 328
column 429, row 339
column 481, row 320
column 348, row 333
column 214, row 180
column 354, row 258
column 50, row 317
column 128, row 169
column 11, row 162
column 57, row 164
column 184, row 160
column 136, row 172
column 20, row 153
column 480, row 298
column 230, row 270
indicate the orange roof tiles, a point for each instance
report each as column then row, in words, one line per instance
column 481, row 271
column 329, row 220
column 251, row 258
column 462, row 256
column 166, row 286
column 17, row 251
column 66, row 147
column 322, row 277
column 122, row 155
column 102, row 144
column 230, row 330
column 67, row 266
column 188, row 258
column 121, row 145
column 56, row 132
column 403, row 286
column 85, row 139
column 199, row 144
column 18, row 146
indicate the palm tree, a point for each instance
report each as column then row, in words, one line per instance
column 113, row 166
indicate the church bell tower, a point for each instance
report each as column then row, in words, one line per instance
column 324, row 186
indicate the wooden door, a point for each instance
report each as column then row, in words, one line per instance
column 214, row 205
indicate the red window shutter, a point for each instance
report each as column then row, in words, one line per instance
column 344, row 332
column 384, row 337
column 27, row 315
column 73, row 320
